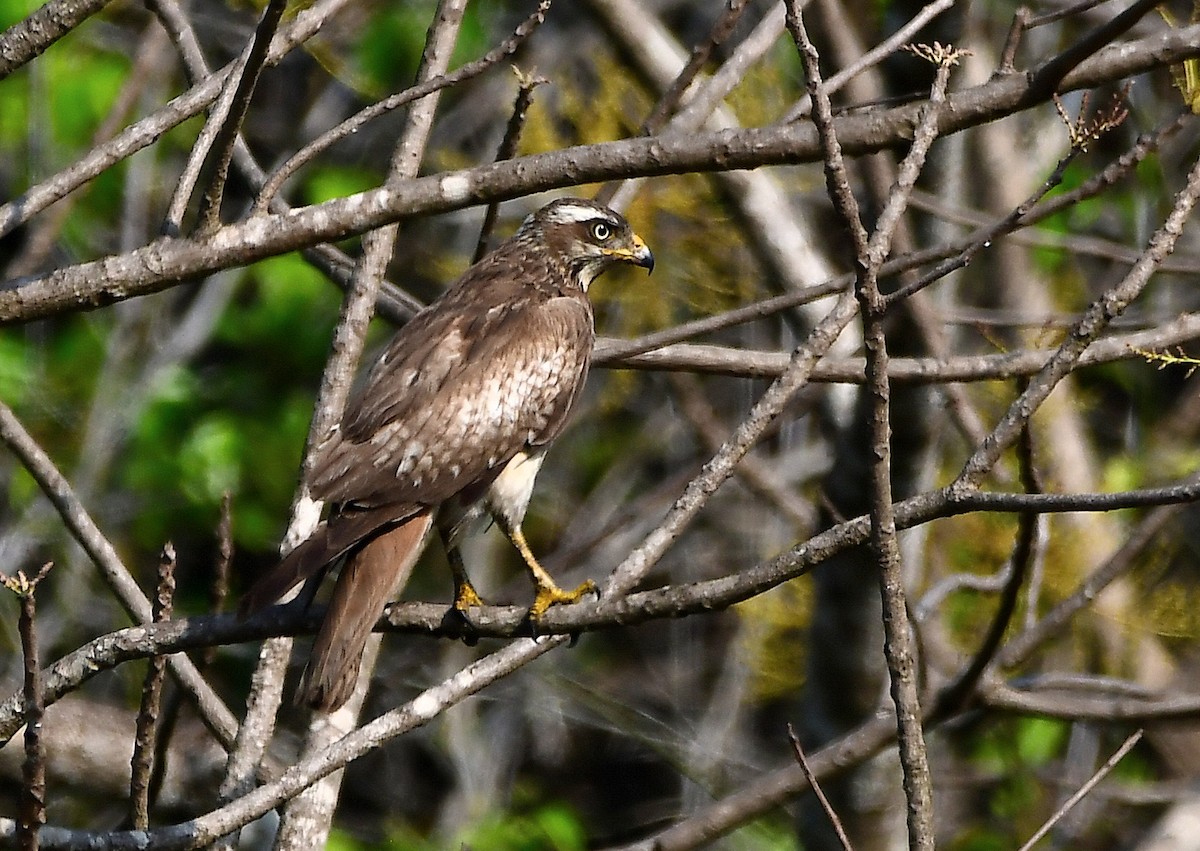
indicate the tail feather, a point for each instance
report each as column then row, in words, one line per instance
column 331, row 540
column 366, row 582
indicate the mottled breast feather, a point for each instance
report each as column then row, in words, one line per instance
column 493, row 369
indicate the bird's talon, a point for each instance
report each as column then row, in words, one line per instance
column 552, row 595
column 467, row 598
column 464, row 599
column 470, row 633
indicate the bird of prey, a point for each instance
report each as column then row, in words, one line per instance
column 452, row 423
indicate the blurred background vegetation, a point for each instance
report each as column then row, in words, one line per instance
column 158, row 407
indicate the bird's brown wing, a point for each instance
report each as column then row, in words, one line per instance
column 332, row 539
column 454, row 399
column 450, row 402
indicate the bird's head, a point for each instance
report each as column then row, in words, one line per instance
column 588, row 237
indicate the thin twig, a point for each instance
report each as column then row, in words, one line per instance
column 1020, row 648
column 142, row 764
column 952, row 698
column 872, row 57
column 1083, row 790
column 1091, row 324
column 1045, row 80
column 40, row 240
column 672, row 95
column 220, row 583
column 221, row 155
column 802, row 760
column 984, row 237
column 150, row 129
column 83, row 528
column 526, row 83
column 1060, row 14
column 722, row 28
column 25, row 40
column 32, row 805
column 870, row 254
column 1008, row 54
column 352, row 124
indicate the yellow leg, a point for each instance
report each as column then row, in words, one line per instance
column 465, row 595
column 548, row 592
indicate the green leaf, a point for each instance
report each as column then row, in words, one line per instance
column 210, row 459
column 1039, row 740
column 12, row 11
column 337, row 182
column 15, row 373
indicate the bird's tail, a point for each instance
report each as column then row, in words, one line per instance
column 366, row 582
column 331, row 540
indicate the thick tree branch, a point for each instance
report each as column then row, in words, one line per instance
column 673, row 601
column 167, row 261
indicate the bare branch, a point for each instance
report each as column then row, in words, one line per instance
column 32, row 805
column 148, row 130
column 802, row 761
column 209, row 217
column 526, row 84
column 1083, row 790
column 167, row 261
column 25, row 41
column 214, row 712
column 148, row 715
column 423, row 89
column 1082, row 335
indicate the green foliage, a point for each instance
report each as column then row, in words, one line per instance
column 238, row 423
column 976, row 544
column 776, row 637
column 12, row 11
column 549, row 827
column 769, row 89
column 1039, row 740
column 332, row 181
column 1012, row 752
column 1115, row 211
column 85, row 86
column 16, row 374
column 552, row 826
column 14, row 115
column 387, row 56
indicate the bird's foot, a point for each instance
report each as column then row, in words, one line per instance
column 466, row 598
column 552, row 595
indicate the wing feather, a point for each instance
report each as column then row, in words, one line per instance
column 454, row 398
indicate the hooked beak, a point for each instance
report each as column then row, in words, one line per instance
column 639, row 254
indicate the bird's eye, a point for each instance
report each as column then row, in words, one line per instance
column 601, row 231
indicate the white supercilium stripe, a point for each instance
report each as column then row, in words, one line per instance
column 575, row 213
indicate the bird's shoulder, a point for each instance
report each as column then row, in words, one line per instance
column 491, row 367
column 489, row 321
